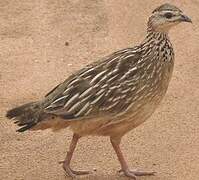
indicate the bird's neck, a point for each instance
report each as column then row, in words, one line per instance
column 158, row 43
column 155, row 36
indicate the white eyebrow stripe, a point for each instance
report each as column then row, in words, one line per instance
column 168, row 11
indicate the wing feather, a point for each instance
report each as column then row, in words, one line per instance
column 101, row 87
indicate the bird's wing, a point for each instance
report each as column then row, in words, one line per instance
column 102, row 87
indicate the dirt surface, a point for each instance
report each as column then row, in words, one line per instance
column 42, row 42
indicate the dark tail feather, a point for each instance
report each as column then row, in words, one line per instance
column 17, row 111
column 27, row 115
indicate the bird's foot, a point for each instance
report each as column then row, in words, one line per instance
column 134, row 173
column 72, row 173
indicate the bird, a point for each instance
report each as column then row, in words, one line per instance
column 112, row 95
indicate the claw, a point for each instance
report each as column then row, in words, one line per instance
column 70, row 172
column 73, row 173
column 134, row 173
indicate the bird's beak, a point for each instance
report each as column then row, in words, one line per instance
column 184, row 18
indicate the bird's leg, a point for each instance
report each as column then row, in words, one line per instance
column 66, row 162
column 124, row 167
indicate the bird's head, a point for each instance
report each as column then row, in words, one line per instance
column 166, row 16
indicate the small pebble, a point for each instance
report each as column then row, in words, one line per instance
column 94, row 169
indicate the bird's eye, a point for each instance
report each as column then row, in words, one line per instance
column 168, row 15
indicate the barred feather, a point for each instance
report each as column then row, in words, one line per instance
column 126, row 82
column 111, row 85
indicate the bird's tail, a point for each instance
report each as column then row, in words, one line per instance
column 27, row 115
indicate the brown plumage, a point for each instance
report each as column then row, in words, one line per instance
column 113, row 95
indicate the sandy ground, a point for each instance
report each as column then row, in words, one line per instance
column 44, row 41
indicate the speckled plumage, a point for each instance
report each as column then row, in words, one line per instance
column 113, row 95
column 120, row 83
